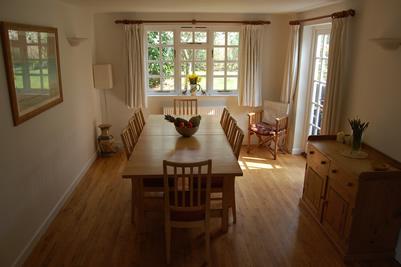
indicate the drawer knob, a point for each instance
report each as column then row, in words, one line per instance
column 350, row 184
column 323, row 162
column 333, row 171
column 311, row 152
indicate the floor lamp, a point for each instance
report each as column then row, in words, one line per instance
column 103, row 79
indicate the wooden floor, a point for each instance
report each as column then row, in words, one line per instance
column 272, row 229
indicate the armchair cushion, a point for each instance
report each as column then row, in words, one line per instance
column 262, row 128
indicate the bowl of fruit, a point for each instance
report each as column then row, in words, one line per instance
column 184, row 127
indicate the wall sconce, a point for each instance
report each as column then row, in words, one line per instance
column 387, row 43
column 76, row 41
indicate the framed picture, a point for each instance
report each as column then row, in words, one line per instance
column 32, row 60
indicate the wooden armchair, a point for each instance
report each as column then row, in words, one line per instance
column 265, row 131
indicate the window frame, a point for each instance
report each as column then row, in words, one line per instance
column 178, row 46
column 310, row 43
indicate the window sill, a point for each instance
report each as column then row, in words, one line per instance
column 189, row 95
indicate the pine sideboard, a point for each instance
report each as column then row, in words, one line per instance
column 357, row 206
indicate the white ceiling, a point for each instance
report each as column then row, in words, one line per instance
column 203, row 6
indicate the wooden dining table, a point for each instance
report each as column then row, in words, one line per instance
column 160, row 141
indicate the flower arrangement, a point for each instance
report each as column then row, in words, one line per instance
column 193, row 78
column 358, row 128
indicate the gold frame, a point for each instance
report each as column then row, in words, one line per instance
column 31, row 55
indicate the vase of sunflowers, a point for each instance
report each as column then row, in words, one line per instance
column 193, row 80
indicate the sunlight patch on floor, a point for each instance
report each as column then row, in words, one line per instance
column 257, row 163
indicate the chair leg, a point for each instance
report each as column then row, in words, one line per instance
column 207, row 239
column 249, row 141
column 133, row 200
column 275, row 147
column 232, row 202
column 168, row 242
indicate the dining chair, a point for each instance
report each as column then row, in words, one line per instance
column 186, row 203
column 218, row 182
column 146, row 185
column 232, row 127
column 126, row 137
column 139, row 119
column 133, row 129
column 224, row 115
column 184, row 106
column 231, row 122
column 270, row 124
column 224, row 118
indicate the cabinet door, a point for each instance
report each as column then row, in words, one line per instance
column 314, row 191
column 337, row 212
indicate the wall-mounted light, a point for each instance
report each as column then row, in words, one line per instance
column 76, row 41
column 387, row 43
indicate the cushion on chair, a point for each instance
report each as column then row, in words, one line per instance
column 262, row 128
column 187, row 216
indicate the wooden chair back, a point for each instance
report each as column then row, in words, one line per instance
column 129, row 144
column 237, row 141
column 140, row 120
column 224, row 116
column 185, row 106
column 231, row 131
column 231, row 122
column 133, row 129
column 186, row 202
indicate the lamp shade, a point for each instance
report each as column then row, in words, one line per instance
column 102, row 76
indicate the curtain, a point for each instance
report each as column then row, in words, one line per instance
column 291, row 67
column 134, row 66
column 249, row 81
column 335, row 75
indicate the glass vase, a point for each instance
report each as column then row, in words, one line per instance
column 356, row 143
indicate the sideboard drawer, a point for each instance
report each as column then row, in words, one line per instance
column 349, row 182
column 318, row 162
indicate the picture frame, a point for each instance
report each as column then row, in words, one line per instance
column 32, row 61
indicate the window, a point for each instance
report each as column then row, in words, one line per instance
column 225, row 60
column 160, row 60
column 321, row 43
column 175, row 52
column 31, row 58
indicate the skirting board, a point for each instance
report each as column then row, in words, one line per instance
column 42, row 229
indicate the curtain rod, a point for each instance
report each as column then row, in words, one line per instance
column 341, row 14
column 125, row 21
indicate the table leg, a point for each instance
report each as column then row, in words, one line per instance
column 225, row 204
column 138, row 203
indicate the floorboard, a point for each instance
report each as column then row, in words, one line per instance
column 273, row 229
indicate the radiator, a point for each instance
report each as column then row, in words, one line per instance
column 201, row 111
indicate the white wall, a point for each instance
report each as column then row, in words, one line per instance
column 44, row 158
column 109, row 49
column 372, row 76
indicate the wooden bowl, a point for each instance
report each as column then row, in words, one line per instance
column 380, row 166
column 187, row 132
